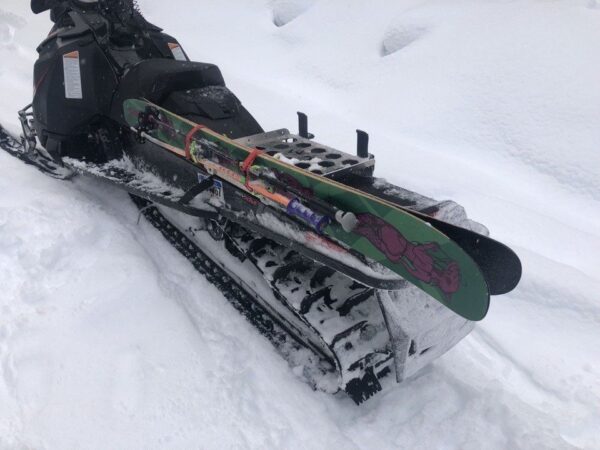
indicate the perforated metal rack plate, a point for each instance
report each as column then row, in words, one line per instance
column 307, row 154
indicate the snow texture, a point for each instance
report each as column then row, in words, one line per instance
column 109, row 339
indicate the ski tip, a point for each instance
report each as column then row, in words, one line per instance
column 508, row 279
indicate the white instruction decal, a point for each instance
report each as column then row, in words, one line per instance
column 177, row 52
column 72, row 71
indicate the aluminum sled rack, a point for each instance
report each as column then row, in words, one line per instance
column 307, row 154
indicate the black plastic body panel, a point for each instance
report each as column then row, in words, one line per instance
column 62, row 116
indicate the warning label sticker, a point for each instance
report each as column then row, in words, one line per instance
column 217, row 190
column 177, row 51
column 72, row 71
column 217, row 187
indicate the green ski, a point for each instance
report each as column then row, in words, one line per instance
column 372, row 226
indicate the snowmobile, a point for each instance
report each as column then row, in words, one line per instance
column 112, row 96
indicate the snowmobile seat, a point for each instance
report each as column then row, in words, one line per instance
column 155, row 79
column 39, row 6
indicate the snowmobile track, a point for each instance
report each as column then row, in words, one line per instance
column 240, row 298
column 365, row 381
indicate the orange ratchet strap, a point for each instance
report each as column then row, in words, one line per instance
column 247, row 164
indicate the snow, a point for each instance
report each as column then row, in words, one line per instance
column 109, row 339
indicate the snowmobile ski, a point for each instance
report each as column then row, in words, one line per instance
column 16, row 148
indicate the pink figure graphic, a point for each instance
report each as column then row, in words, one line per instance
column 416, row 258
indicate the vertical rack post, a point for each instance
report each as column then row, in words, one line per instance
column 303, row 125
column 362, row 144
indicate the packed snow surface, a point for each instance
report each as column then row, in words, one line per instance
column 110, row 339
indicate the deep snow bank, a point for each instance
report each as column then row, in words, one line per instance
column 109, row 339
